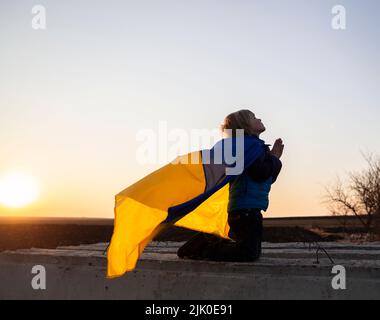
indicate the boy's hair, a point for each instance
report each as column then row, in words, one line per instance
column 238, row 120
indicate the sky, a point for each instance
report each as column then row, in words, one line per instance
column 74, row 96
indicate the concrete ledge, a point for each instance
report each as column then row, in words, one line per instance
column 286, row 271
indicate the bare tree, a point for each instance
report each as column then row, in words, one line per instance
column 360, row 197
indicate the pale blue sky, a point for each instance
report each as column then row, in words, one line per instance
column 73, row 96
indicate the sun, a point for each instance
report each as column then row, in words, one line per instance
column 17, row 190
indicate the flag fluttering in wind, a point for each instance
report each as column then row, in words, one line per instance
column 191, row 192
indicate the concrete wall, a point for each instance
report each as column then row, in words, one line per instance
column 80, row 274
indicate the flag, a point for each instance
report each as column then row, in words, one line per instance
column 191, row 192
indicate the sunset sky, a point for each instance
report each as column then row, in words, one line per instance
column 74, row 96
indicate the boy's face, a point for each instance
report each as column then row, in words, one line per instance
column 256, row 124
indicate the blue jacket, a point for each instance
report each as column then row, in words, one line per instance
column 250, row 190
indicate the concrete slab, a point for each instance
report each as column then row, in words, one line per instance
column 286, row 271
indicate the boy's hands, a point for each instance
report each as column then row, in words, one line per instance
column 277, row 148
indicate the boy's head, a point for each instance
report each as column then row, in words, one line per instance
column 242, row 119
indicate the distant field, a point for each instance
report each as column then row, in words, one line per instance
column 314, row 222
column 27, row 232
column 306, row 222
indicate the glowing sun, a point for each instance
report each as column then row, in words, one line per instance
column 17, row 190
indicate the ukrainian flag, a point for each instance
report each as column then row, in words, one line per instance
column 191, row 191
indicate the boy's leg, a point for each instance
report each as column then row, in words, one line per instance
column 259, row 231
column 198, row 246
column 246, row 230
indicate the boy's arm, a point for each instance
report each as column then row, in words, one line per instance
column 264, row 167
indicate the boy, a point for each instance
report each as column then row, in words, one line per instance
column 248, row 195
